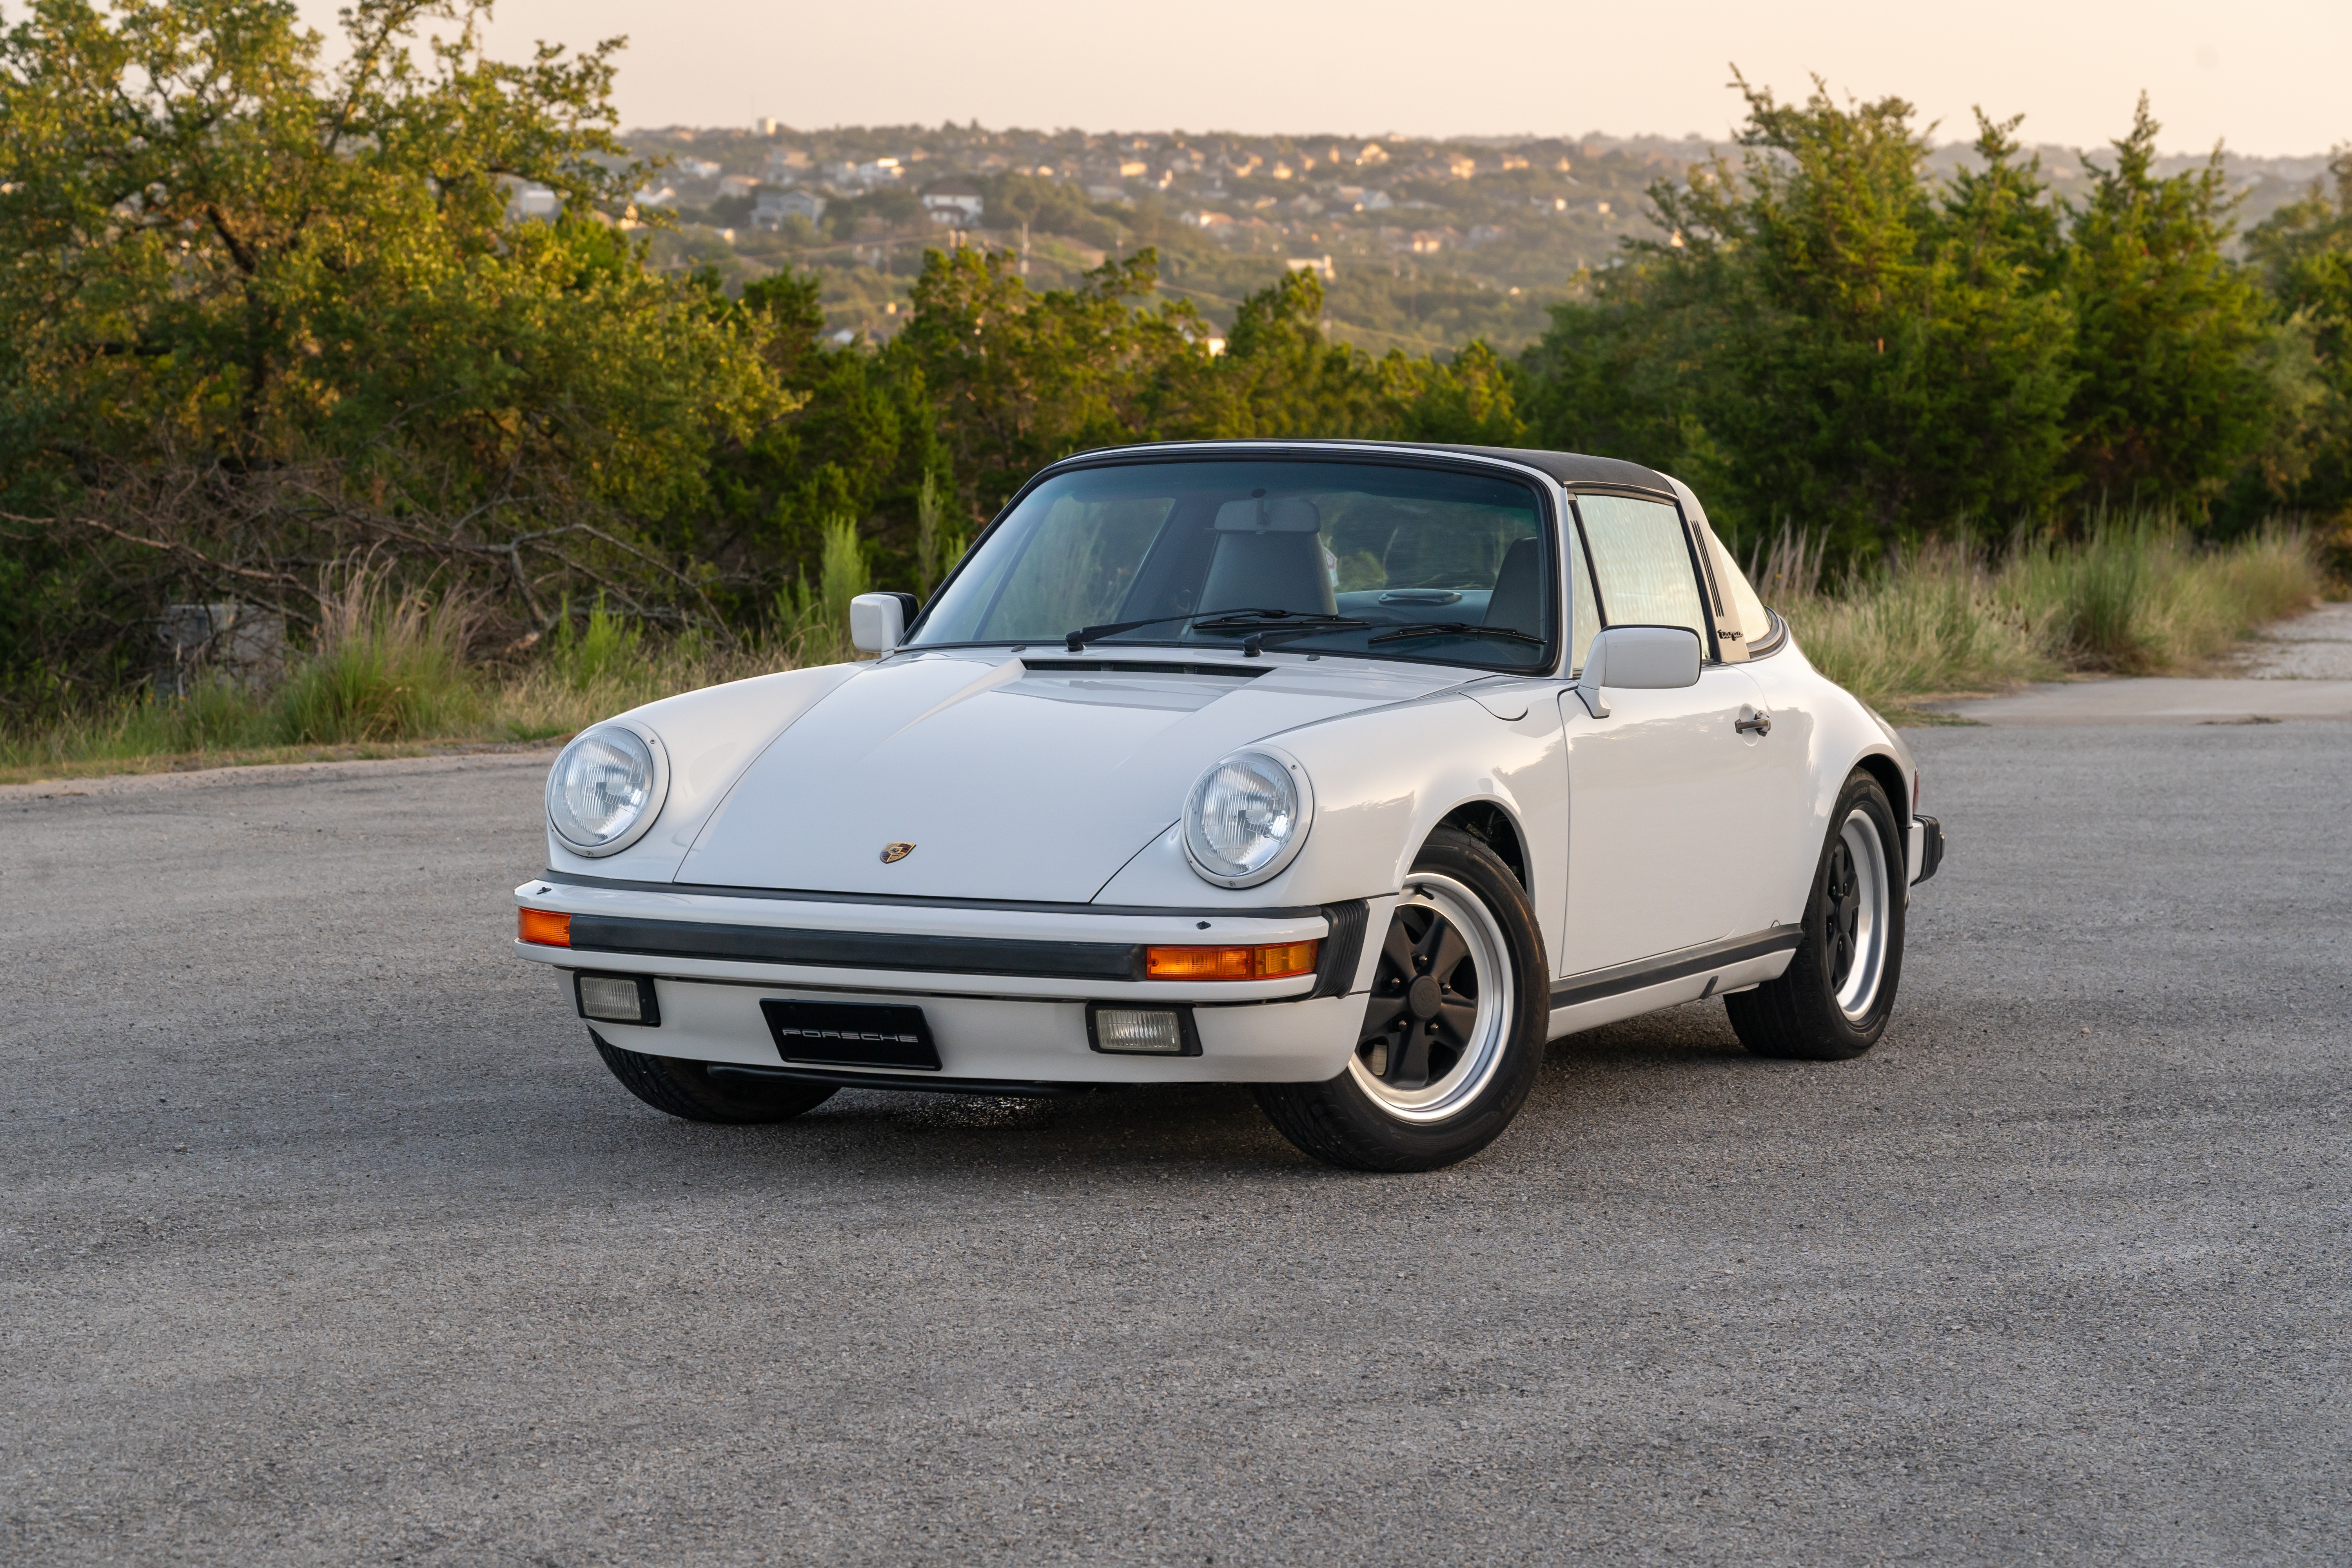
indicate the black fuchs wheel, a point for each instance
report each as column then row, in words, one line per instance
column 1453, row 1032
column 1833, row 1000
column 685, row 1088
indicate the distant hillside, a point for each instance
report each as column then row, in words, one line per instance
column 1427, row 243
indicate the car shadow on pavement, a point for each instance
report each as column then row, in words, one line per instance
column 1156, row 1128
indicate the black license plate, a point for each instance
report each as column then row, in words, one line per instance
column 851, row 1034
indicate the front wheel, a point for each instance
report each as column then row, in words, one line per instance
column 686, row 1089
column 1453, row 1032
column 1834, row 998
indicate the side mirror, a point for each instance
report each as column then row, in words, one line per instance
column 1638, row 659
column 877, row 622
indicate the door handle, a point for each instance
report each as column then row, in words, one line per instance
column 1753, row 724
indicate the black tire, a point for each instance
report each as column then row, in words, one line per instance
column 1342, row 1124
column 684, row 1089
column 1801, row 1015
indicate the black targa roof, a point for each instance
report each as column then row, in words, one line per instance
column 1567, row 467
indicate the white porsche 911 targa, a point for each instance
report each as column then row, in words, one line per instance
column 1354, row 772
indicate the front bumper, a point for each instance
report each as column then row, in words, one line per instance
column 1003, row 989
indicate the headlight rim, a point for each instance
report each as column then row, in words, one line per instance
column 656, row 797
column 1188, row 829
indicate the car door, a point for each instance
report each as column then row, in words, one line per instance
column 1669, row 797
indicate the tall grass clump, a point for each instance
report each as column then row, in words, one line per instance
column 2129, row 595
column 937, row 548
column 383, row 667
column 602, row 663
column 815, row 622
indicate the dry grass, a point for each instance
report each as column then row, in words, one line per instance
column 2134, row 597
column 386, row 678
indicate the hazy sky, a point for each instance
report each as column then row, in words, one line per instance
column 2269, row 76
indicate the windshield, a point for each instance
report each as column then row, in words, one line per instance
column 1323, row 557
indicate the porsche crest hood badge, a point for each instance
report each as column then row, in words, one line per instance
column 894, row 853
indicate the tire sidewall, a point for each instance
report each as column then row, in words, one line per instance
column 1864, row 792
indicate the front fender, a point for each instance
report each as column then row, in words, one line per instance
column 1384, row 779
column 712, row 735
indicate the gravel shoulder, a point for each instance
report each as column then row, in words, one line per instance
column 325, row 1239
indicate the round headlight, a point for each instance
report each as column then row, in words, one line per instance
column 1246, row 820
column 605, row 791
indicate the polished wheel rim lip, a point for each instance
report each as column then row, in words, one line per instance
column 1482, row 1056
column 1855, row 903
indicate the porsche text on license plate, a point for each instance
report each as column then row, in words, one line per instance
column 851, row 1034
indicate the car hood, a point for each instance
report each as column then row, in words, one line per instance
column 1028, row 780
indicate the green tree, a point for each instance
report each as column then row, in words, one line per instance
column 2172, row 338
column 2303, row 253
column 1824, row 338
column 1021, row 378
column 861, row 436
column 263, row 313
column 1472, row 399
column 1280, row 376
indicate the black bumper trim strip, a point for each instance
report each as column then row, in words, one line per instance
column 918, row 901
column 860, row 949
column 1595, row 984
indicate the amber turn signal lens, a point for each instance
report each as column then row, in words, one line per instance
column 544, row 927
column 1279, row 961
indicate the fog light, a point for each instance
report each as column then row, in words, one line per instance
column 618, row 998
column 1141, row 1031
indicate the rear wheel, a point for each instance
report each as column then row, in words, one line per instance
column 687, row 1089
column 1453, row 1032
column 1833, row 1000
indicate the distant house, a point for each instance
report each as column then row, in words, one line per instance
column 1133, row 169
column 880, row 172
column 655, row 196
column 738, row 185
column 785, row 163
column 1374, row 153
column 773, row 208
column 698, row 169
column 529, row 202
column 1318, row 265
column 1206, row 220
column 954, row 200
column 1106, row 193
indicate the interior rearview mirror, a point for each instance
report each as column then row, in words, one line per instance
column 1638, row 659
column 1258, row 515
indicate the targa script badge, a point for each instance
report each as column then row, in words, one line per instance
column 894, row 853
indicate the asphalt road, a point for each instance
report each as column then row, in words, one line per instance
column 326, row 1239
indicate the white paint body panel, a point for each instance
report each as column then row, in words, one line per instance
column 1044, row 805
column 1039, row 1041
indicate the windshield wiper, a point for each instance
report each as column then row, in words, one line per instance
column 1218, row 621
column 1451, row 628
